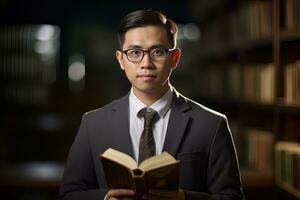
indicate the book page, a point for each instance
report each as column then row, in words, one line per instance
column 157, row 161
column 121, row 158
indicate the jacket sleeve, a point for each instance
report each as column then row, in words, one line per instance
column 79, row 180
column 223, row 177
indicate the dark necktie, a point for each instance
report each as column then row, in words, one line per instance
column 147, row 142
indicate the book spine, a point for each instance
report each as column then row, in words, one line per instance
column 139, row 186
column 296, row 170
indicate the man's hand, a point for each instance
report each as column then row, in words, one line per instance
column 164, row 195
column 116, row 194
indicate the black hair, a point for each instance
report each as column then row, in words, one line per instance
column 141, row 18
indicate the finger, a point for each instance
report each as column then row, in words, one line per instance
column 112, row 198
column 119, row 193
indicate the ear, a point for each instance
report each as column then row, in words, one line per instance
column 176, row 54
column 119, row 56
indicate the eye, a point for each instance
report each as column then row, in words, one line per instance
column 158, row 52
column 135, row 52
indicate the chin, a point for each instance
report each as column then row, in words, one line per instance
column 147, row 90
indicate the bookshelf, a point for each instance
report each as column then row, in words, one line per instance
column 249, row 68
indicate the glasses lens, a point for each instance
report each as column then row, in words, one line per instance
column 134, row 55
column 158, row 54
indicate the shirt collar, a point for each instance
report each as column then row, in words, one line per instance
column 161, row 106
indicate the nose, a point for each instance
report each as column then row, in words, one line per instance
column 146, row 62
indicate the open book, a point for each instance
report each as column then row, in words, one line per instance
column 157, row 172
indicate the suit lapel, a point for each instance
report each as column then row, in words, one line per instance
column 176, row 128
column 177, row 124
column 120, row 126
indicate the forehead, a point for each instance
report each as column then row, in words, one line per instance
column 146, row 37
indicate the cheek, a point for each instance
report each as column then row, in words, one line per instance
column 166, row 70
column 129, row 73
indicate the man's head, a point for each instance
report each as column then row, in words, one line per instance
column 147, row 52
column 141, row 18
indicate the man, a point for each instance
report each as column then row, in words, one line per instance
column 195, row 135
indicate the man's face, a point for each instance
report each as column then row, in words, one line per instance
column 148, row 76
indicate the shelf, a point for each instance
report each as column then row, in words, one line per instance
column 289, row 191
column 240, row 104
column 237, row 48
column 31, row 176
column 281, row 106
column 288, row 36
column 289, row 108
column 255, row 179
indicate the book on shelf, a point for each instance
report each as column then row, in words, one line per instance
column 251, row 82
column 292, row 83
column 259, row 149
column 251, row 21
column 258, row 83
column 233, row 74
column 157, row 172
column 292, row 14
column 287, row 164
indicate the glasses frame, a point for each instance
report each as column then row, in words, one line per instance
column 146, row 51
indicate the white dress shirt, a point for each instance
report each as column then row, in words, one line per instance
column 136, row 124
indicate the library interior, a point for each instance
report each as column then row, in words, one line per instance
column 239, row 57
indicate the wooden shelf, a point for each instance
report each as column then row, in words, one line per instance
column 255, row 179
column 281, row 106
column 240, row 104
column 31, row 176
column 280, row 48
column 237, row 48
column 288, row 36
column 289, row 108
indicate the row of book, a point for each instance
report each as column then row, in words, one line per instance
column 252, row 83
column 257, row 17
column 26, row 68
column 292, row 83
column 253, row 20
column 26, row 94
column 259, row 144
column 292, row 14
column 287, row 165
column 28, row 64
column 29, row 53
column 254, row 146
column 24, row 37
column 258, row 83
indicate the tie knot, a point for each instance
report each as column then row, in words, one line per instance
column 149, row 116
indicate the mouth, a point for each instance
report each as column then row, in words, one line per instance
column 146, row 77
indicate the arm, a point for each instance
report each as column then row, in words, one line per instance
column 79, row 180
column 223, row 178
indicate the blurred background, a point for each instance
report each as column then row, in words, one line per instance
column 57, row 61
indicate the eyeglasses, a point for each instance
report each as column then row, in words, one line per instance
column 156, row 54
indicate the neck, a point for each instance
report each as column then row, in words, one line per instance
column 148, row 98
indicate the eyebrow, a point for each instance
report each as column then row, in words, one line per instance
column 140, row 47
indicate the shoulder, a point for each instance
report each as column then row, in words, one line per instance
column 193, row 108
column 197, row 107
column 108, row 108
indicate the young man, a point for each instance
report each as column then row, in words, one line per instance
column 195, row 135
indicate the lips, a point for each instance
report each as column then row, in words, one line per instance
column 146, row 77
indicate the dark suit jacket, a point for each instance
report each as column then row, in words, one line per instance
column 197, row 136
